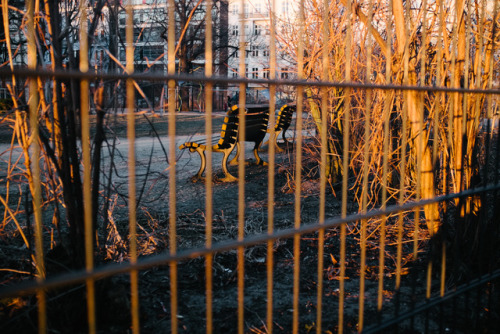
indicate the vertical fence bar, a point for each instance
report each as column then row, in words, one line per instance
column 296, row 274
column 488, row 161
column 446, row 107
column 496, row 120
column 345, row 166
column 437, row 112
column 130, row 93
column 454, row 139
column 271, row 170
column 453, row 109
column 299, row 121
column 323, row 160
column 465, row 119
column 172, row 182
column 208, row 172
column 241, row 173
column 401, row 199
column 465, row 104
column 404, row 140
column 484, row 122
column 491, row 63
column 366, row 162
column 35, row 185
column 420, row 135
column 387, row 116
column 87, row 198
column 478, row 61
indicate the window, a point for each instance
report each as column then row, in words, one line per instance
column 138, row 35
column 234, row 9
column 235, row 54
column 255, row 51
column 150, row 52
column 246, row 72
column 257, row 29
column 257, row 8
column 139, row 17
column 285, row 7
column 235, row 74
column 255, row 73
column 234, row 30
column 246, row 9
column 153, row 35
column 284, row 73
column 265, row 73
column 265, row 53
column 268, row 30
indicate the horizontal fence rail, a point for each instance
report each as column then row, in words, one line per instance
column 374, row 209
column 163, row 259
column 217, row 79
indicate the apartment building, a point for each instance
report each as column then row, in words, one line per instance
column 256, row 16
column 150, row 47
column 150, row 42
column 107, row 50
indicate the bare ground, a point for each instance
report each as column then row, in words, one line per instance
column 67, row 310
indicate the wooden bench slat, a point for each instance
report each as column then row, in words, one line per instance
column 256, row 121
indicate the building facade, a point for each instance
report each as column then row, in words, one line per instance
column 256, row 15
column 108, row 44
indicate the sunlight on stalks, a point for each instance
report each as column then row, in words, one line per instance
column 452, row 173
column 12, row 215
column 115, row 246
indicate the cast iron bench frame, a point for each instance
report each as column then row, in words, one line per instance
column 225, row 145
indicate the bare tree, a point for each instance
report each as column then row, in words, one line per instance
column 190, row 39
column 59, row 116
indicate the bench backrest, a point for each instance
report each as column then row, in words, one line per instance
column 284, row 118
column 229, row 132
column 256, row 121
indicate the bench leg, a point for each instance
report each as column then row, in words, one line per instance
column 278, row 148
column 274, row 140
column 227, row 176
column 234, row 161
column 258, row 159
column 283, row 136
column 203, row 165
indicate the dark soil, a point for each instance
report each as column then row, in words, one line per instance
column 67, row 308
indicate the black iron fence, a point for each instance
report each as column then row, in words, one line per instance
column 380, row 214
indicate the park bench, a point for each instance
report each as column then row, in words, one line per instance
column 256, row 120
column 225, row 145
column 283, row 122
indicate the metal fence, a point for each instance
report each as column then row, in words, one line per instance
column 401, row 167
